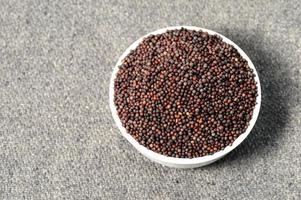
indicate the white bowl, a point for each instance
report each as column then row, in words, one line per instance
column 183, row 162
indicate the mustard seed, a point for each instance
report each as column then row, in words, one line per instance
column 185, row 93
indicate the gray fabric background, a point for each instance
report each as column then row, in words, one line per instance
column 57, row 136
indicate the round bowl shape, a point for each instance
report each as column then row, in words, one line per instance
column 183, row 162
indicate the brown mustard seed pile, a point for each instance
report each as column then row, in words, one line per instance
column 185, row 93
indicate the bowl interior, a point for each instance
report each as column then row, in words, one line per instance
column 189, row 161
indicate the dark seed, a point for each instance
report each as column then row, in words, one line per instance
column 185, row 93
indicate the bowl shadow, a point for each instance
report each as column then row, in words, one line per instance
column 275, row 105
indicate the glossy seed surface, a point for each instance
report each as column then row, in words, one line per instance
column 185, row 93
